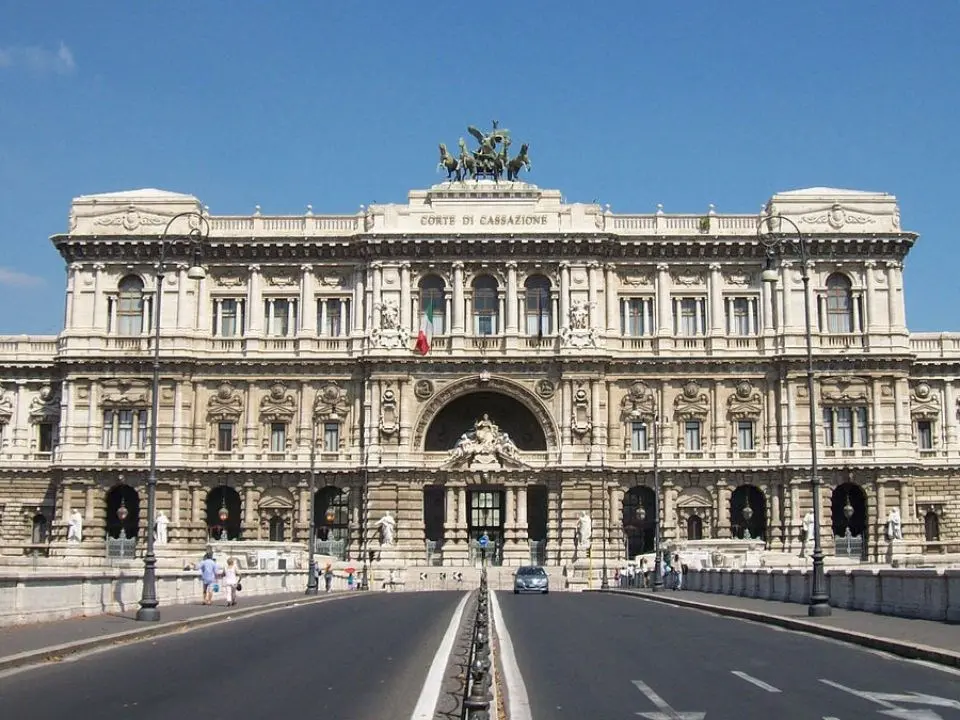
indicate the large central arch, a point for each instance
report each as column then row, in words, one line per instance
column 500, row 395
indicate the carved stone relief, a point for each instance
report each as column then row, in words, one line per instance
column 844, row 389
column 578, row 333
column 581, row 422
column 391, row 334
column 331, row 403
column 423, row 389
column 545, row 388
column 46, row 405
column 389, row 415
column 692, row 403
column 226, row 404
column 277, row 405
column 125, row 393
column 746, row 402
column 6, row 407
column 639, row 403
column 924, row 403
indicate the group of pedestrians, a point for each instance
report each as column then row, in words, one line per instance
column 213, row 576
column 640, row 576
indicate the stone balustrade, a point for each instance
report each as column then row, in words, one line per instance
column 27, row 597
column 914, row 593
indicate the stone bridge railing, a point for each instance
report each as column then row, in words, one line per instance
column 913, row 593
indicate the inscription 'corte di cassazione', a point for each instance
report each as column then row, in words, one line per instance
column 484, row 220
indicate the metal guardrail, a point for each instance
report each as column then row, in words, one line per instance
column 333, row 548
column 121, row 548
column 848, row 546
column 478, row 695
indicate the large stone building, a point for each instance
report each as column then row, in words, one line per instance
column 569, row 343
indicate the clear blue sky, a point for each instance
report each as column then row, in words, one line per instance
column 631, row 103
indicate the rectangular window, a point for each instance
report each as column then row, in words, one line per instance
column 538, row 311
column 745, row 434
column 281, row 317
column 843, row 432
column 229, row 321
column 863, row 430
column 846, row 427
column 739, row 316
column 689, row 318
column 691, row 435
column 828, row 427
column 225, row 437
column 143, row 429
column 333, row 317
column 278, row 437
column 124, row 429
column 433, row 302
column 638, row 436
column 331, row 437
column 108, row 416
column 925, row 434
column 485, row 311
column 637, row 317
column 46, row 438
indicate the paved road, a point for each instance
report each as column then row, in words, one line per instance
column 351, row 659
column 606, row 656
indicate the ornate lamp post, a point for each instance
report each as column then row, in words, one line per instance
column 313, row 581
column 848, row 510
column 658, row 553
column 197, row 236
column 775, row 243
column 605, row 581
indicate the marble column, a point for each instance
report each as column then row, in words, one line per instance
column 308, row 302
column 593, row 282
column 715, row 288
column 512, row 312
column 664, row 306
column 376, row 298
column 611, row 298
column 458, row 328
column 894, row 296
column 786, row 297
column 406, row 308
column 564, row 319
column 175, row 505
column 254, row 302
column 359, row 298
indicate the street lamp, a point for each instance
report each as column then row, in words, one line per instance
column 604, row 581
column 775, row 242
column 313, row 581
column 658, row 553
column 197, row 236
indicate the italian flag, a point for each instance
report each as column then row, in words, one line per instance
column 425, row 336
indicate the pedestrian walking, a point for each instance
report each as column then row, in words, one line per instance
column 642, row 571
column 208, row 576
column 328, row 576
column 678, row 569
column 231, row 580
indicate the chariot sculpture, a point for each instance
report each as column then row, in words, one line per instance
column 490, row 160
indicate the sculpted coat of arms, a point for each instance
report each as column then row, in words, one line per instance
column 485, row 445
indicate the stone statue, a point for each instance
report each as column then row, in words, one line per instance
column 486, row 444
column 894, row 525
column 160, row 528
column 75, row 527
column 579, row 314
column 584, row 532
column 806, row 531
column 388, row 528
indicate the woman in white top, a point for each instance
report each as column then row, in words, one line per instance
column 231, row 579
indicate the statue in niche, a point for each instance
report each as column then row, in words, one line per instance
column 75, row 527
column 806, row 532
column 160, row 528
column 894, row 525
column 584, row 532
column 388, row 528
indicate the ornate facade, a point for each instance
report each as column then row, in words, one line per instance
column 569, row 343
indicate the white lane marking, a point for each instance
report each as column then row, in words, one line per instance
column 665, row 711
column 759, row 683
column 433, row 685
column 889, row 702
column 518, row 702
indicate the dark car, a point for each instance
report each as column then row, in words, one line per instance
column 531, row 578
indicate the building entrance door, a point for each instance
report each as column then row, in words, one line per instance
column 486, row 519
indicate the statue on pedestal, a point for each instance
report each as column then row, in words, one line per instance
column 160, row 528
column 75, row 527
column 388, row 527
column 806, row 532
column 894, row 525
column 584, row 532
column 486, row 444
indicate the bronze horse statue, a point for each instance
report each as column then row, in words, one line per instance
column 520, row 162
column 449, row 163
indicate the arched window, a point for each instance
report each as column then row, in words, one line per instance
column 538, row 311
column 485, row 319
column 839, row 304
column 433, row 305
column 277, row 529
column 931, row 527
column 130, row 306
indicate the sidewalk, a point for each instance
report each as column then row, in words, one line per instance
column 918, row 639
column 23, row 640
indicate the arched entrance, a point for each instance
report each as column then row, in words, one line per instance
column 331, row 513
column 123, row 512
column 639, row 520
column 223, row 513
column 848, row 517
column 458, row 417
column 748, row 513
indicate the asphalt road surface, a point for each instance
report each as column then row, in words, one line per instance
column 350, row 659
column 588, row 656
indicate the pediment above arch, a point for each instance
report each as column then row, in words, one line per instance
column 694, row 497
column 276, row 498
